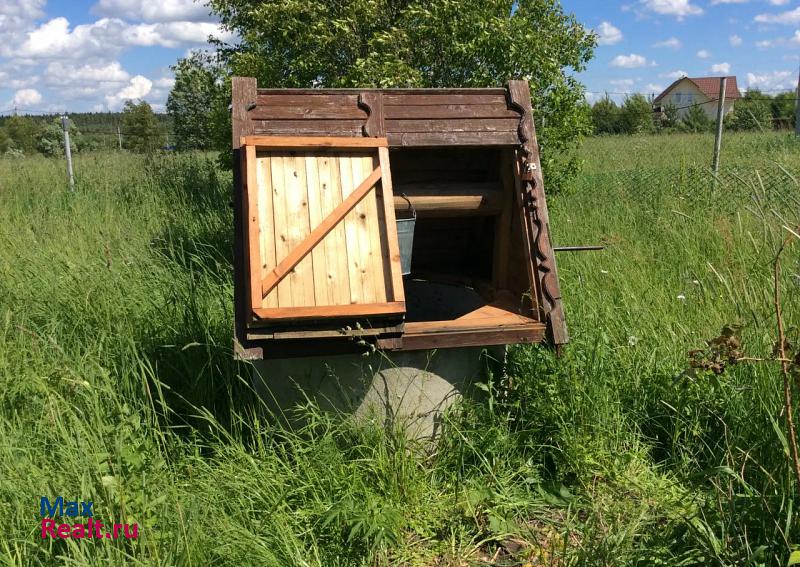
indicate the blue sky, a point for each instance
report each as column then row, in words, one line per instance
column 646, row 44
column 80, row 55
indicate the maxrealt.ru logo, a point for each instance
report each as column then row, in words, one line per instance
column 92, row 529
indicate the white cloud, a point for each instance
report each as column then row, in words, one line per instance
column 60, row 73
column 622, row 83
column 54, row 39
column 631, row 61
column 775, row 80
column 704, row 54
column 677, row 8
column 653, row 88
column 165, row 82
column 154, row 11
column 138, row 87
column 790, row 18
column 673, row 43
column 779, row 2
column 608, row 34
column 674, row 74
column 780, row 41
column 16, row 16
column 735, row 40
column 21, row 10
column 26, row 98
column 715, row 2
column 173, row 34
column 724, row 68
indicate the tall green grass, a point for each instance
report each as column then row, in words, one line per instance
column 118, row 384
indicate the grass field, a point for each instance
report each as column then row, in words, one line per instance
column 117, row 383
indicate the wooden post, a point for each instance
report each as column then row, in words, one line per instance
column 119, row 137
column 797, row 107
column 243, row 95
column 723, row 82
column 68, row 151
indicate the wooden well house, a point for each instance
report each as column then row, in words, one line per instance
column 324, row 178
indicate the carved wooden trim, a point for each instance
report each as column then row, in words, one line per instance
column 535, row 205
column 372, row 102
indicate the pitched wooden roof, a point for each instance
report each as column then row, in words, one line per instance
column 709, row 86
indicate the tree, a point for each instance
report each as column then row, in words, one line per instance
column 670, row 119
column 696, row 120
column 414, row 43
column 752, row 112
column 141, row 132
column 783, row 110
column 22, row 131
column 606, row 116
column 195, row 98
column 5, row 141
column 636, row 115
column 50, row 140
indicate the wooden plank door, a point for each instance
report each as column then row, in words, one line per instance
column 322, row 237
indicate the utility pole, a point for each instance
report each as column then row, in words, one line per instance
column 68, row 151
column 723, row 82
column 119, row 137
column 797, row 107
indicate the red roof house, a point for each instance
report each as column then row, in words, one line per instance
column 687, row 92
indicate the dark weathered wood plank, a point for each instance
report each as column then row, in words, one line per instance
column 427, row 336
column 437, row 97
column 448, row 110
column 308, row 111
column 309, row 127
column 454, row 125
column 433, row 139
column 307, row 99
column 497, row 91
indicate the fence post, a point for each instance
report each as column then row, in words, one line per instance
column 797, row 107
column 720, row 117
column 68, row 151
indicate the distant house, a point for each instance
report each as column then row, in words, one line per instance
column 697, row 91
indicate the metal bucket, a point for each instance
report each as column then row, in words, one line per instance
column 405, row 236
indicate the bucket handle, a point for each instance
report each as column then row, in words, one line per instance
column 410, row 206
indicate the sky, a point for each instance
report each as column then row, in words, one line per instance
column 644, row 45
column 92, row 55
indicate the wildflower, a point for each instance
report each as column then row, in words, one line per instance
column 682, row 297
column 632, row 341
column 603, row 271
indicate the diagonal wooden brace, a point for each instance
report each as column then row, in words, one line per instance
column 315, row 236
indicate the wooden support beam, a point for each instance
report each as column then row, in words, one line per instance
column 315, row 236
column 450, row 199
